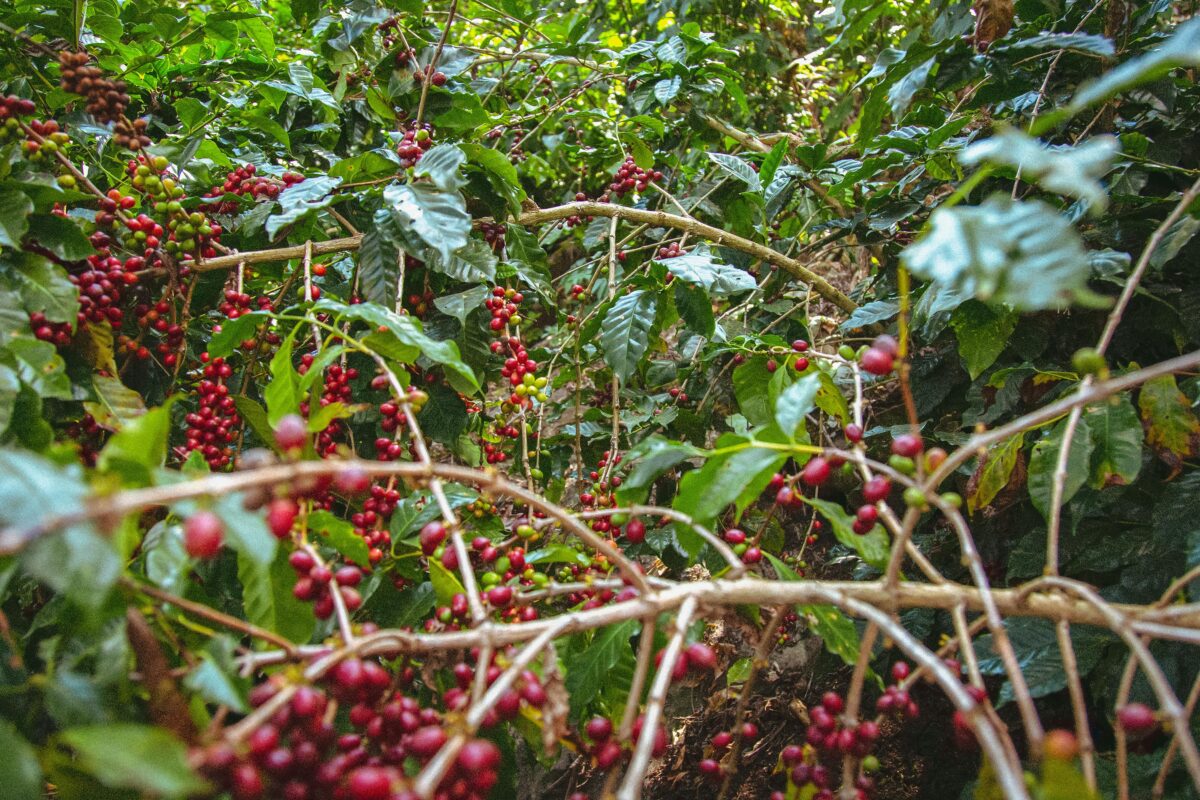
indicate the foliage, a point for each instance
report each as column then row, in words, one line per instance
column 347, row 337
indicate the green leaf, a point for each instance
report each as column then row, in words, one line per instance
column 10, row 390
column 15, row 208
column 407, row 331
column 40, row 367
column 439, row 218
column 1089, row 43
column 750, row 388
column 1182, row 49
column 982, row 332
column 587, row 669
column 1074, row 171
column 1172, row 429
column 1061, row 780
column 378, row 268
column 735, row 477
column 255, row 416
column 695, row 308
column 60, row 236
column 1116, row 443
column 1023, row 254
column 738, row 672
column 441, row 164
column 828, row 622
column 138, row 757
column 996, row 473
column 1035, row 644
column 235, row 331
column 340, row 534
column 528, row 258
column 268, row 599
column 652, row 457
column 45, row 287
column 772, row 160
column 794, row 404
column 462, row 304
column 1043, row 458
column 474, row 263
column 246, row 531
column 667, row 89
column 283, row 390
column 701, row 268
column 871, row 547
column 19, row 765
column 625, row 332
column 139, row 447
column 217, row 679
column 300, row 199
column 738, row 169
column 117, row 405
column 445, row 582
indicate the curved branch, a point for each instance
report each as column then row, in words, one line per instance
column 658, row 219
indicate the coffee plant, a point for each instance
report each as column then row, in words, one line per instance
column 464, row 400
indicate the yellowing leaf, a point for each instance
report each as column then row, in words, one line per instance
column 1171, row 426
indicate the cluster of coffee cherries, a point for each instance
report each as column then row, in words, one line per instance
column 419, row 304
column 414, row 144
column 630, row 177
column 155, row 318
column 212, row 427
column 718, row 747
column 315, row 583
column 493, row 451
column 56, row 333
column 335, row 389
column 235, row 304
column 504, row 307
column 608, row 751
column 100, row 286
column 45, row 141
column 493, row 234
column 880, row 357
column 12, row 108
column 299, row 753
column 246, row 181
column 190, row 232
column 89, row 435
column 670, row 251
column 106, row 99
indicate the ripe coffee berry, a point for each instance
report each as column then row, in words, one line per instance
column 281, row 515
column 635, row 531
column 1136, row 719
column 908, row 445
column 203, row 534
column 816, row 471
column 877, row 362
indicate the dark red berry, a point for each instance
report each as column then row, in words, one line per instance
column 203, row 534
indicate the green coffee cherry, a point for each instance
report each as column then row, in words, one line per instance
column 902, row 464
column 914, row 497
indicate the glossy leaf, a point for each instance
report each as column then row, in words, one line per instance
column 625, row 332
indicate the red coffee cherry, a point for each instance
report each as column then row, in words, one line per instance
column 281, row 515
column 701, row 656
column 877, row 362
column 598, row 729
column 203, row 534
column 1136, row 719
column 291, row 432
column 635, row 531
column 816, row 471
